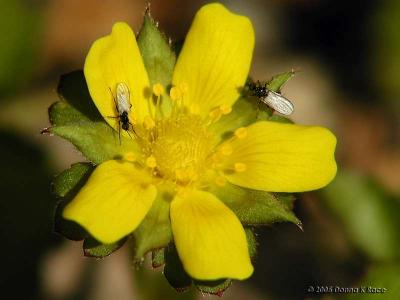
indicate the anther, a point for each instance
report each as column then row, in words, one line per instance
column 215, row 114
column 158, row 89
column 240, row 167
column 225, row 109
column 175, row 93
column 220, row 181
column 241, row 133
column 129, row 156
column 226, row 150
column 151, row 162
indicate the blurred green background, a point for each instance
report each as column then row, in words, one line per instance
column 349, row 55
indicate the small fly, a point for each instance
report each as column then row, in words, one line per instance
column 123, row 107
column 274, row 100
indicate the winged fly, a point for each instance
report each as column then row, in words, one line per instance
column 274, row 100
column 123, row 107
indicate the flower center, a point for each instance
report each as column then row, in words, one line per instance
column 178, row 147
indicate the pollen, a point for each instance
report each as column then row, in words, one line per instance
column 220, row 181
column 129, row 156
column 225, row 109
column 158, row 89
column 240, row 167
column 151, row 162
column 241, row 133
column 181, row 147
column 215, row 114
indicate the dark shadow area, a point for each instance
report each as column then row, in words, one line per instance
column 26, row 213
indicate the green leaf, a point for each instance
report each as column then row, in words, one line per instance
column 158, row 57
column 158, row 257
column 217, row 287
column 368, row 214
column 155, row 230
column 251, row 241
column 93, row 248
column 257, row 207
column 174, row 272
column 66, row 185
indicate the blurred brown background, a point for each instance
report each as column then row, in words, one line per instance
column 349, row 55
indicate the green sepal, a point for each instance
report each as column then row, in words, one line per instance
column 216, row 287
column 280, row 119
column 243, row 114
column 173, row 270
column 73, row 89
column 76, row 119
column 155, row 230
column 278, row 81
column 275, row 84
column 254, row 207
column 251, row 241
column 158, row 57
column 67, row 180
column 93, row 248
column 97, row 141
column 66, row 185
column 158, row 257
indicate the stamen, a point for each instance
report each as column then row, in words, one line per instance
column 151, row 162
column 225, row 109
column 148, row 123
column 220, row 181
column 175, row 93
column 241, row 132
column 130, row 156
column 158, row 89
column 240, row 167
column 226, row 150
column 215, row 114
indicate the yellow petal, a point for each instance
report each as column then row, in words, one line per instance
column 280, row 157
column 115, row 59
column 210, row 239
column 113, row 202
column 215, row 59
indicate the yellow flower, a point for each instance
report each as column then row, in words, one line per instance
column 181, row 153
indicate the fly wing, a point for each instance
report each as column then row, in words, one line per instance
column 278, row 103
column 123, row 95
